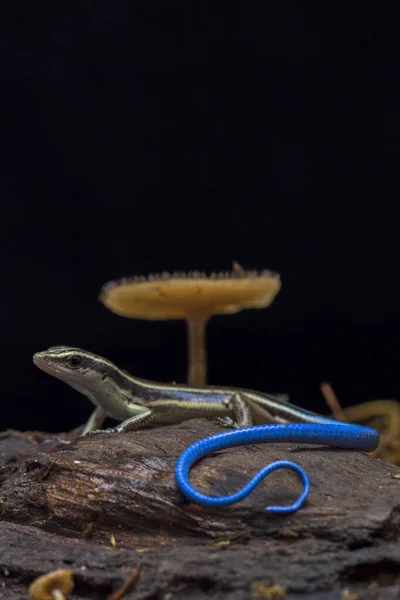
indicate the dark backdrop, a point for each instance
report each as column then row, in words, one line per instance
column 145, row 136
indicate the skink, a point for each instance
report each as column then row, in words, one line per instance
column 138, row 402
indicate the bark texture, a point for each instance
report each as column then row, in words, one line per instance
column 101, row 505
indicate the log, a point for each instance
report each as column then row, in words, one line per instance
column 104, row 504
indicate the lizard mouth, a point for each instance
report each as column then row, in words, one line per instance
column 43, row 364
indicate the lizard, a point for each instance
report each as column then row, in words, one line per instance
column 139, row 402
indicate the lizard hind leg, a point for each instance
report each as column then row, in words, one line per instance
column 239, row 405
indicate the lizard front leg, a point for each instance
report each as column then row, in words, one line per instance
column 240, row 405
column 131, row 424
column 95, row 421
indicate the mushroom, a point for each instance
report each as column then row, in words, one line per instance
column 194, row 297
column 56, row 585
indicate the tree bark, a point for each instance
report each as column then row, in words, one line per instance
column 102, row 504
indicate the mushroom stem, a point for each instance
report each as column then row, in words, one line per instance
column 57, row 594
column 196, row 340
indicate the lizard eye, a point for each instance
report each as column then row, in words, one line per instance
column 75, row 361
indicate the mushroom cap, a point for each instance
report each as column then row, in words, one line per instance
column 180, row 295
column 42, row 587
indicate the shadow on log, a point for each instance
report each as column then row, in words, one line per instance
column 100, row 505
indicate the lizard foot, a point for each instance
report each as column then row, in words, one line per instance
column 226, row 422
column 96, row 431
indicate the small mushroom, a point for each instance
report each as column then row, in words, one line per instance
column 56, row 585
column 194, row 297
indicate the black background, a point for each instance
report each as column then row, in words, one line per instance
column 138, row 137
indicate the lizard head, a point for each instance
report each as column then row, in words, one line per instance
column 98, row 379
column 84, row 371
